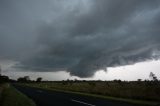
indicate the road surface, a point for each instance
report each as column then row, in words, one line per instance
column 53, row 98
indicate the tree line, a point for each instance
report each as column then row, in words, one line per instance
column 4, row 78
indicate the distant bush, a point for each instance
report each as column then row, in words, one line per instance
column 4, row 79
column 24, row 79
column 39, row 79
column 153, row 76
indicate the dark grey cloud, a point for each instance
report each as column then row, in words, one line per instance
column 79, row 36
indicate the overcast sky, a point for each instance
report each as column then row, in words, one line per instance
column 78, row 37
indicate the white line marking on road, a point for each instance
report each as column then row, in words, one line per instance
column 82, row 102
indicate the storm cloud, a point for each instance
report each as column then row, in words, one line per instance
column 79, row 36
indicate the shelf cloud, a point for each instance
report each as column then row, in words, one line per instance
column 78, row 36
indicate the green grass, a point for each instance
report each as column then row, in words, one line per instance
column 12, row 97
column 72, row 88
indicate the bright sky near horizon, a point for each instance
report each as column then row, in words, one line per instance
column 130, row 72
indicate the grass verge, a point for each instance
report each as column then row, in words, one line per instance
column 131, row 101
column 12, row 97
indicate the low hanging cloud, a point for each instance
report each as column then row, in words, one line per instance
column 79, row 36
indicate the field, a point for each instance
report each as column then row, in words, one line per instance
column 138, row 90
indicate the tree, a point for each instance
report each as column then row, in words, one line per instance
column 4, row 79
column 39, row 79
column 27, row 78
column 153, row 76
column 23, row 79
column 139, row 80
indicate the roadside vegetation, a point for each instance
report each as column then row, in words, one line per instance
column 144, row 90
column 12, row 97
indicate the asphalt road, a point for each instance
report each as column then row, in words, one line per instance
column 53, row 98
